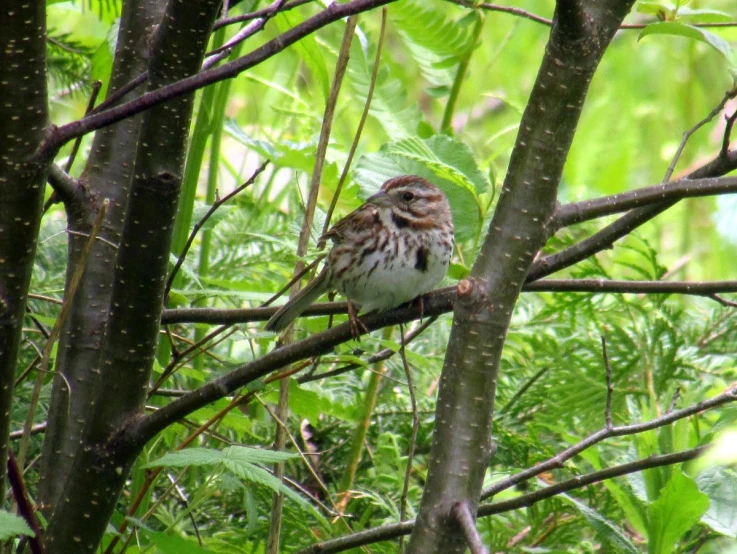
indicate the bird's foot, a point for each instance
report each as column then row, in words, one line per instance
column 357, row 326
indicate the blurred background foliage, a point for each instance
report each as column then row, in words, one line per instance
column 552, row 387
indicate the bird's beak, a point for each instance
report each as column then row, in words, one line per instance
column 380, row 199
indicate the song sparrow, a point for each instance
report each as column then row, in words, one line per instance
column 394, row 248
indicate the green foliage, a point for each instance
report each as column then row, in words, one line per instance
column 679, row 507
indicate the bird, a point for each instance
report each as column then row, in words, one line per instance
column 394, row 248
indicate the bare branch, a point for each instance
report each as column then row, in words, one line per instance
column 395, row 530
column 549, row 22
column 461, row 511
column 266, row 12
column 588, row 479
column 65, row 186
column 444, row 299
column 25, row 508
column 578, row 212
column 729, row 395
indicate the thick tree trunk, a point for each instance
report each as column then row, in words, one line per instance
column 116, row 322
column 107, row 175
column 462, row 441
column 23, row 123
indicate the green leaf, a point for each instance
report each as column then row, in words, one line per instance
column 720, row 484
column 444, row 161
column 676, row 28
column 435, row 41
column 239, row 460
column 12, row 525
column 679, row 507
column 607, row 530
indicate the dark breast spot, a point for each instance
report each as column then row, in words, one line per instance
column 421, row 260
column 399, row 221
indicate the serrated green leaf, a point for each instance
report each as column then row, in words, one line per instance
column 678, row 508
column 12, row 525
column 675, row 28
column 442, row 160
column 435, row 41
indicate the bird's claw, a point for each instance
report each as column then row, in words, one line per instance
column 357, row 326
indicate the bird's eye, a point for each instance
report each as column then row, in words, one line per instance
column 407, row 196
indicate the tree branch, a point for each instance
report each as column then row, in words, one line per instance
column 723, row 163
column 549, row 22
column 444, row 299
column 140, row 430
column 65, row 186
column 203, row 220
column 557, row 461
column 461, row 511
column 588, row 479
column 578, row 212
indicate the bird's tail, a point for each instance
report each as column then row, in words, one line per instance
column 298, row 303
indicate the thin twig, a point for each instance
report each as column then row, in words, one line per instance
column 248, row 31
column 413, row 437
column 203, row 220
column 727, row 136
column 461, row 511
column 517, row 395
column 333, row 511
column 119, row 93
column 609, row 385
column 257, row 14
column 195, row 349
column 723, row 301
column 549, row 22
column 297, row 276
column 687, row 135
